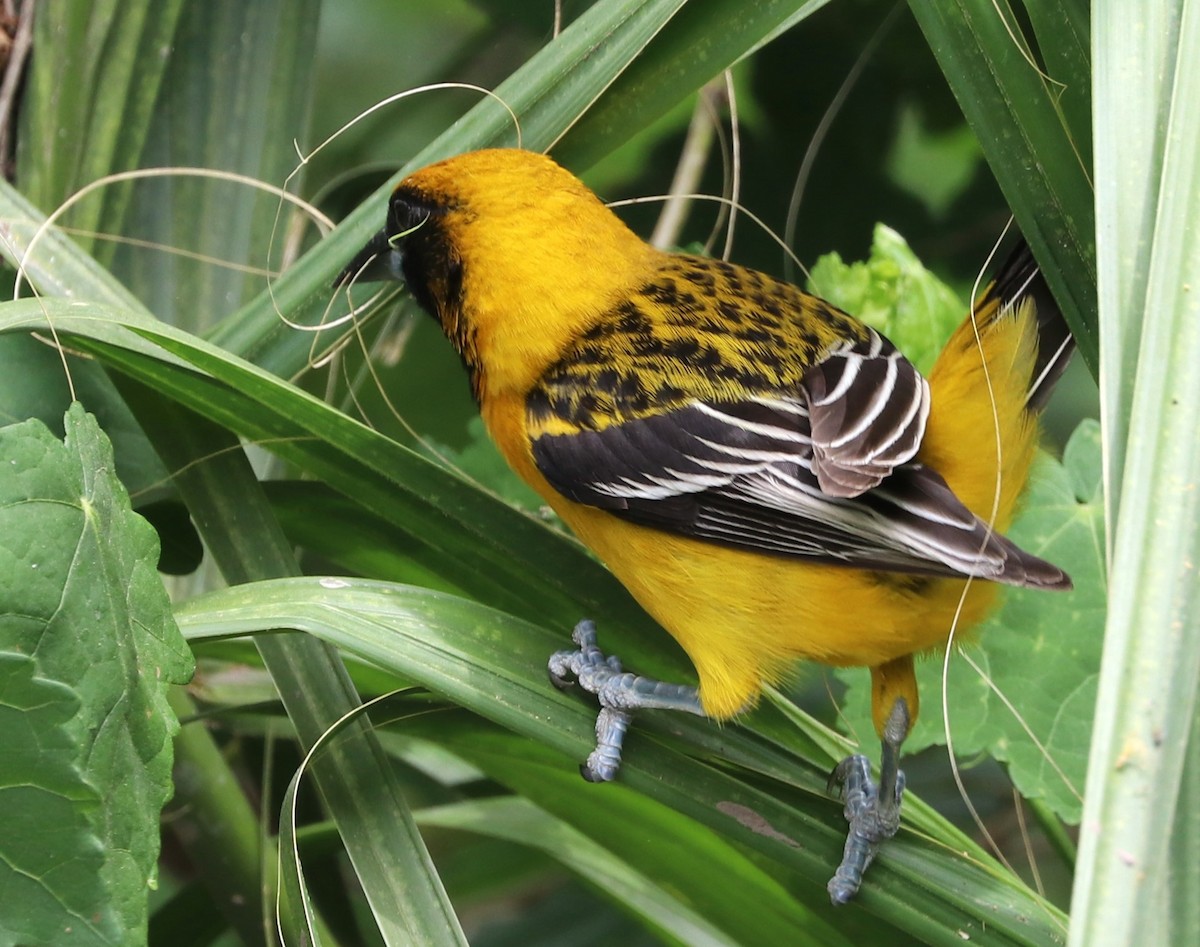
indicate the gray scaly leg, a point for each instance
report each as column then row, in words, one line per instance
column 619, row 695
column 872, row 811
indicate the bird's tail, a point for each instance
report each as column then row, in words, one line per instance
column 988, row 386
column 1018, row 282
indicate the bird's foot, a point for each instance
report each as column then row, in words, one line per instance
column 873, row 820
column 619, row 694
column 873, row 810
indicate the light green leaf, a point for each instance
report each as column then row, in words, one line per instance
column 933, row 166
column 245, row 70
column 86, row 109
column 1131, row 884
column 893, row 292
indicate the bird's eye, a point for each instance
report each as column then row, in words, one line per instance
column 407, row 213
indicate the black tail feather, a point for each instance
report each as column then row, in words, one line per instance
column 1019, row 279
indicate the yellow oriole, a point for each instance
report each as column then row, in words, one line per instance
column 769, row 477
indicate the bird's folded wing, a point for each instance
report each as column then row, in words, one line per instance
column 867, row 407
column 742, row 475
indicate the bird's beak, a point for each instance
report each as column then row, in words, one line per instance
column 378, row 261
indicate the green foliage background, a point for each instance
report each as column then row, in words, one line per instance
column 452, row 809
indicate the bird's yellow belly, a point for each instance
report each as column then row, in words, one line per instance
column 743, row 617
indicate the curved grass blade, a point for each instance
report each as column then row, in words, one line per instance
column 493, row 664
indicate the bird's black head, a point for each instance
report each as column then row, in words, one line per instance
column 412, row 248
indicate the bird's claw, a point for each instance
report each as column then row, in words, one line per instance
column 619, row 694
column 589, row 668
column 872, row 809
column 579, row 667
column 873, row 820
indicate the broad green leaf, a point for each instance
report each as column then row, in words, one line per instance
column 34, row 384
column 83, row 599
column 1040, row 651
column 50, row 855
column 934, row 166
column 1061, row 519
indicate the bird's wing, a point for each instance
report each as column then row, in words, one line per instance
column 745, row 474
column 867, row 408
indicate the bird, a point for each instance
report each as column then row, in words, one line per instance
column 769, row 477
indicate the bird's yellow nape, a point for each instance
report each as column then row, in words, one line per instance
column 541, row 259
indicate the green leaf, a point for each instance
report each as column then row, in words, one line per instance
column 50, row 854
column 363, row 793
column 935, row 167
column 1036, row 148
column 87, row 107
column 1040, row 651
column 244, row 69
column 473, row 541
column 1061, row 519
column 347, row 534
column 480, row 461
column 1132, row 855
column 83, row 599
column 620, row 65
column 679, row 897
column 754, row 795
column 701, row 41
column 33, row 384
